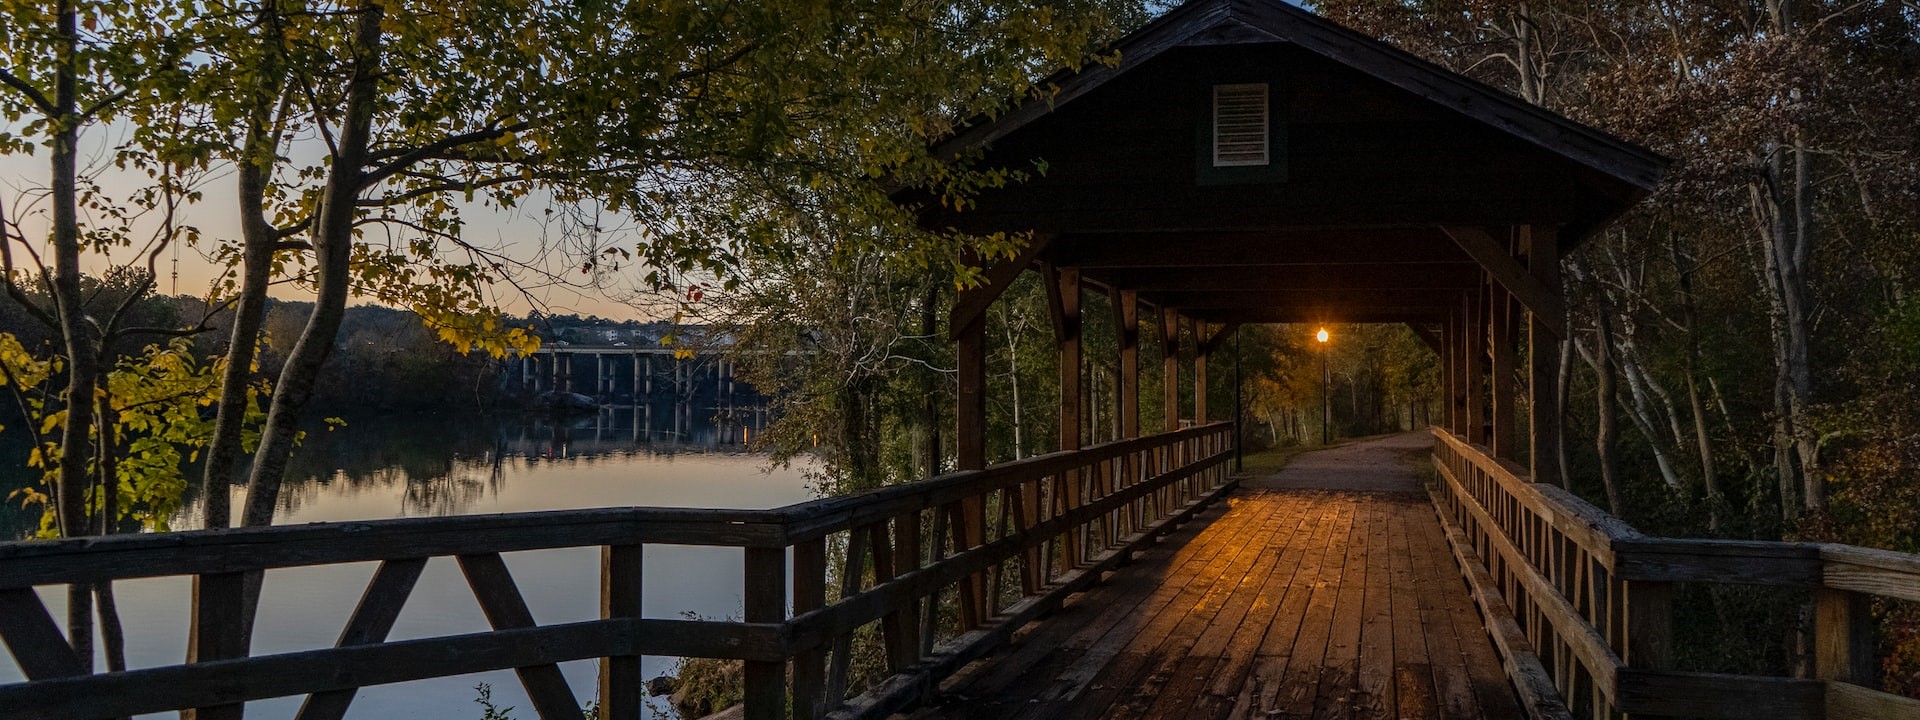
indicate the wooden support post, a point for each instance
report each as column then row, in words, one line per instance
column 1448, row 359
column 1648, row 627
column 1543, row 360
column 809, row 594
column 1201, row 351
column 1170, row 366
column 1505, row 439
column 970, row 442
column 220, row 618
column 622, row 690
column 1126, row 321
column 1458, row 398
column 1475, row 366
column 765, row 601
column 906, row 559
column 1063, row 302
column 1649, row 621
column 1843, row 638
column 1126, row 310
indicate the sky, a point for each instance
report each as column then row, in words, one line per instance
column 521, row 233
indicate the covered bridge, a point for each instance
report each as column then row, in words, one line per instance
column 1244, row 162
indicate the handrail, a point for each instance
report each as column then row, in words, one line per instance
column 1594, row 597
column 1008, row 542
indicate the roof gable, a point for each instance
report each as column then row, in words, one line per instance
column 1230, row 22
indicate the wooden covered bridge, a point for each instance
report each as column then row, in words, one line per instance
column 1244, row 162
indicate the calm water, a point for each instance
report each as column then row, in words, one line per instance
column 427, row 465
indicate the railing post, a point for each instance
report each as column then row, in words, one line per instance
column 765, row 601
column 220, row 619
column 1843, row 638
column 621, row 686
column 809, row 594
column 1649, row 626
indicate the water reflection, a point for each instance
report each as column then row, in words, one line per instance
column 421, row 465
column 437, row 465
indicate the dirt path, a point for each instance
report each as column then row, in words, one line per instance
column 1381, row 465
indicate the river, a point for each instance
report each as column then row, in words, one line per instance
column 436, row 465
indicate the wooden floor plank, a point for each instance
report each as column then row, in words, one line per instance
column 1320, row 582
column 1135, row 675
column 1491, row 690
column 1062, row 687
column 1044, row 649
column 1412, row 666
column 1291, row 693
column 1363, row 687
column 1069, row 658
column 1179, row 680
column 1280, row 603
column 1271, row 613
column 1439, row 586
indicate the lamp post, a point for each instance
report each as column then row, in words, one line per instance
column 1326, row 395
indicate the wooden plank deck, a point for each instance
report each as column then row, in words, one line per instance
column 1290, row 600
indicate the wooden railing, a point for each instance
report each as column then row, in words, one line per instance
column 1010, row 542
column 1581, row 604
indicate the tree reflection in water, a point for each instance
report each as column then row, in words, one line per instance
column 446, row 463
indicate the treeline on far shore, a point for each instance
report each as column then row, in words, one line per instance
column 384, row 359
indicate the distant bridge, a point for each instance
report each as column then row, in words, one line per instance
column 618, row 372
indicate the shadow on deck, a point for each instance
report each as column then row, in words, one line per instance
column 1327, row 590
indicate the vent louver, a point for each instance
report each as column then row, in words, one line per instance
column 1239, row 125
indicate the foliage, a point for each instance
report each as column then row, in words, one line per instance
column 1760, row 304
column 153, row 404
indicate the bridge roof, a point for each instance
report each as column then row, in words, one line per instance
column 1385, row 179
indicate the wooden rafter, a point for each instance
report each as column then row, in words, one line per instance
column 971, row 304
column 1506, row 270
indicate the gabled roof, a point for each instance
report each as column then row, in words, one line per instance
column 1228, row 22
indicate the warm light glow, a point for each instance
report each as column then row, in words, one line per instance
column 1323, row 335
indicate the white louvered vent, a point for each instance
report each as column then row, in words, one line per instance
column 1239, row 125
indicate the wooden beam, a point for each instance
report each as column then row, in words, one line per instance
column 1329, row 298
column 1063, row 303
column 970, row 445
column 1272, row 247
column 1214, row 339
column 1429, row 336
column 1353, row 276
column 1543, row 359
column 971, row 304
column 1539, row 299
column 1259, row 316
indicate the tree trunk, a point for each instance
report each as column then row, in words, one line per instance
column 1709, row 478
column 1606, row 437
column 250, row 312
column 927, row 435
column 333, row 245
column 76, row 331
